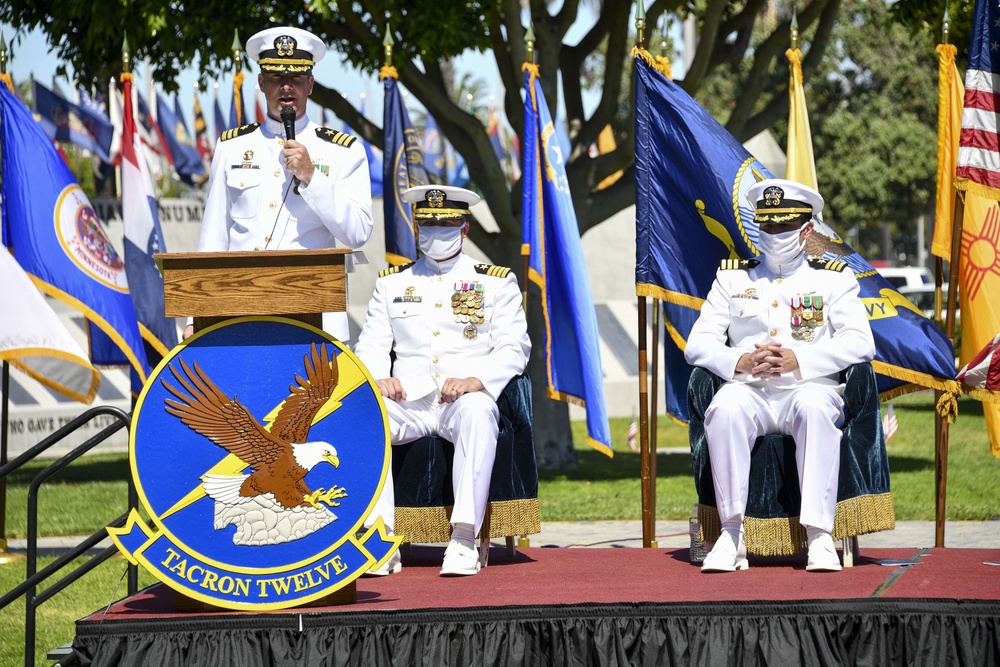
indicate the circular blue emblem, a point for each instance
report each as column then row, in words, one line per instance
column 258, row 449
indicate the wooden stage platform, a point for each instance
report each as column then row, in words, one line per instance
column 558, row 606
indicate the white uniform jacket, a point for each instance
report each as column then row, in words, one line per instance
column 416, row 311
column 249, row 180
column 815, row 310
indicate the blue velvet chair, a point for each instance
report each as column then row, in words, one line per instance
column 423, row 487
column 771, row 525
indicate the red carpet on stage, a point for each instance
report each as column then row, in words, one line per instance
column 603, row 606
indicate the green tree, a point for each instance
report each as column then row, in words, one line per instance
column 427, row 35
column 874, row 119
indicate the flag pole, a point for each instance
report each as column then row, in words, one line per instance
column 4, row 379
column 940, row 422
column 648, row 481
column 529, row 44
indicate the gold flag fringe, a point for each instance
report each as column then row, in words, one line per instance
column 388, row 71
column 982, row 395
column 504, row 518
column 964, row 185
column 785, row 536
column 655, row 63
column 5, row 79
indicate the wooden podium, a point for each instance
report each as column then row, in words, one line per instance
column 215, row 286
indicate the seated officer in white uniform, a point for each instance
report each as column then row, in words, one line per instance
column 779, row 330
column 269, row 193
column 459, row 336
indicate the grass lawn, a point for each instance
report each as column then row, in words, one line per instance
column 92, row 491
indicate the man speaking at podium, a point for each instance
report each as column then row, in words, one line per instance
column 287, row 183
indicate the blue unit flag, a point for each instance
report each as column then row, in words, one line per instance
column 73, row 123
column 403, row 168
column 56, row 237
column 551, row 239
column 692, row 177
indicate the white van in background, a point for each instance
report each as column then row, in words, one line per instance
column 907, row 276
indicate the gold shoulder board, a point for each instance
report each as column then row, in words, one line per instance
column 829, row 265
column 394, row 269
column 492, row 270
column 738, row 264
column 238, row 131
column 335, row 137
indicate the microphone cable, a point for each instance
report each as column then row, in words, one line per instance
column 267, row 239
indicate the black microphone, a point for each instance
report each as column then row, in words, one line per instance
column 288, row 118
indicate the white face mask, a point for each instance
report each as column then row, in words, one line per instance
column 439, row 242
column 780, row 250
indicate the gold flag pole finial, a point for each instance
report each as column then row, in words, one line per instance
column 3, row 54
column 126, row 56
column 529, row 42
column 945, row 24
column 237, row 48
column 795, row 28
column 640, row 24
column 387, row 44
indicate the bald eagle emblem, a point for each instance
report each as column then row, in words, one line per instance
column 272, row 504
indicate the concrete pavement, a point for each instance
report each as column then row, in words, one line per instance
column 672, row 534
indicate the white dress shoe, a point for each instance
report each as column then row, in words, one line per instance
column 391, row 566
column 822, row 554
column 460, row 560
column 726, row 555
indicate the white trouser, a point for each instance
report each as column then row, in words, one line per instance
column 471, row 423
column 811, row 414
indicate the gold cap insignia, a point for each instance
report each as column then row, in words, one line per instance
column 285, row 45
column 435, row 198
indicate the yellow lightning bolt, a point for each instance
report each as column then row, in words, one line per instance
column 351, row 377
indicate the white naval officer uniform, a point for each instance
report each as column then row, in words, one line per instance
column 411, row 313
column 250, row 205
column 749, row 304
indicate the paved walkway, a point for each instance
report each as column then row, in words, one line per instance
column 673, row 534
column 669, row 534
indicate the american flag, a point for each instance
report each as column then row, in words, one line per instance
column 633, row 433
column 889, row 423
column 983, row 372
column 979, row 145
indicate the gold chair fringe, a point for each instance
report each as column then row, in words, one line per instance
column 786, row 536
column 504, row 518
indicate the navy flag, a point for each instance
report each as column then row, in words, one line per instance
column 551, row 238
column 50, row 226
column 403, row 168
column 186, row 159
column 692, row 177
column 220, row 121
column 73, row 123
